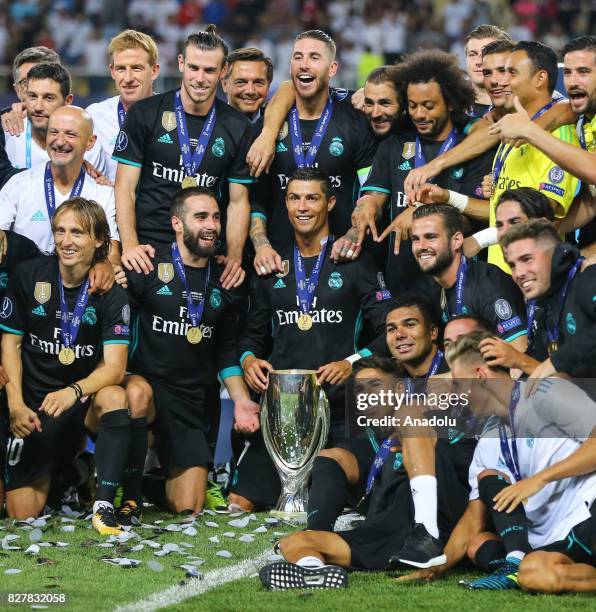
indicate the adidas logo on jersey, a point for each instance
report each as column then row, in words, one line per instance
column 165, row 139
column 38, row 216
column 405, row 166
column 39, row 311
column 281, row 148
column 165, row 290
column 279, row 284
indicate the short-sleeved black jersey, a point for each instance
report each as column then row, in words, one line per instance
column 392, row 164
column 344, row 294
column 576, row 321
column 18, row 249
column 31, row 308
column 160, row 350
column 345, row 153
column 149, row 140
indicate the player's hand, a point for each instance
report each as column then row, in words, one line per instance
column 256, row 373
column 101, row 277
column 334, row 373
column 56, row 403
column 429, row 194
column 497, row 352
column 138, row 258
column 424, row 574
column 512, row 126
column 95, row 174
column 471, row 247
column 246, row 416
column 487, row 186
column 419, row 176
column 3, row 245
column 233, row 275
column 364, row 218
column 401, row 226
column 267, row 260
column 261, row 153
column 13, row 121
column 509, row 498
column 346, row 248
column 23, row 421
column 120, row 276
column 544, row 370
column 358, row 99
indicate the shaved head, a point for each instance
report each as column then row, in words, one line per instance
column 74, row 115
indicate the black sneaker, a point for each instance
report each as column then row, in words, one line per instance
column 284, row 575
column 129, row 514
column 420, row 550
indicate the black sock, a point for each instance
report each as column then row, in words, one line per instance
column 132, row 481
column 111, row 452
column 327, row 495
column 490, row 556
column 512, row 527
column 154, row 490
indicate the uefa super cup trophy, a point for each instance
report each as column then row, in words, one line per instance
column 295, row 425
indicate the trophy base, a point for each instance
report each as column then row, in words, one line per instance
column 292, row 517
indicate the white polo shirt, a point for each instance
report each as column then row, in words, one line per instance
column 23, row 206
column 106, row 126
column 20, row 148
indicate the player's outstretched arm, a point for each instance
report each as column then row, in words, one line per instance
column 236, row 233
column 267, row 259
column 262, row 151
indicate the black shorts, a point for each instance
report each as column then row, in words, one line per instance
column 383, row 534
column 580, row 543
column 256, row 477
column 186, row 425
column 43, row 453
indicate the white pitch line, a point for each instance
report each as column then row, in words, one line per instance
column 212, row 579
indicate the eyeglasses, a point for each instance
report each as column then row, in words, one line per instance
column 22, row 83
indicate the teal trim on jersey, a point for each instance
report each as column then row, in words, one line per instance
column 245, row 355
column 116, row 342
column 365, row 353
column 134, row 335
column 469, row 125
column 231, row 371
column 457, row 438
column 241, row 181
column 372, row 439
column 523, row 332
column 573, row 539
column 358, row 328
column 125, row 161
column 10, row 330
column 373, row 188
column 258, row 215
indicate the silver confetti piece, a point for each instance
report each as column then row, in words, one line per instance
column 13, row 571
column 190, row 531
column 156, row 566
column 239, row 523
column 226, row 554
column 35, row 535
column 214, row 539
column 211, row 524
column 32, row 550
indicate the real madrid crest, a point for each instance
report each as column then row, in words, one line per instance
column 168, row 121
column 165, row 272
column 42, row 292
column 408, row 150
column 286, row 266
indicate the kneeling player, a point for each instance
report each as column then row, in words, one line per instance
column 186, row 330
column 62, row 346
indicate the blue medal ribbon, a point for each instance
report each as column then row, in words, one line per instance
column 194, row 309
column 460, row 285
column 449, row 143
column 192, row 163
column 121, row 114
column 49, row 188
column 510, row 454
column 552, row 333
column 504, row 149
column 69, row 327
column 434, row 367
column 308, row 160
column 28, row 145
column 306, row 287
column 530, row 316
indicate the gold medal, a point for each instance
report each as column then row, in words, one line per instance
column 304, row 322
column 553, row 347
column 189, row 181
column 66, row 356
column 194, row 335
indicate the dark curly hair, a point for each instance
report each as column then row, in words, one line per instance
column 441, row 67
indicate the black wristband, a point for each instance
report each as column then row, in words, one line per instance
column 77, row 389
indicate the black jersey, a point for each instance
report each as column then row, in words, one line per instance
column 149, row 140
column 346, row 153
column 392, row 164
column 576, row 321
column 160, row 350
column 31, row 308
column 18, row 249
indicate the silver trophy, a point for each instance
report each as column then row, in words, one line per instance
column 295, row 425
